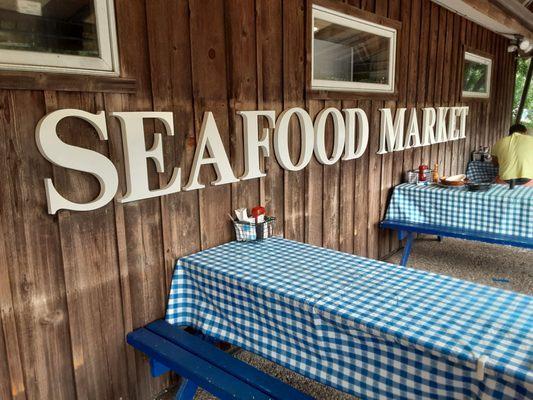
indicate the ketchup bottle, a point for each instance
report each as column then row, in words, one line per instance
column 422, row 172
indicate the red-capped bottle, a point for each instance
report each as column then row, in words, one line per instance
column 422, row 172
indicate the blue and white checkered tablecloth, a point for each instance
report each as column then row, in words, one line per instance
column 499, row 210
column 481, row 171
column 373, row 329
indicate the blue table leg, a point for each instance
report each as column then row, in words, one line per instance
column 187, row 390
column 157, row 369
column 407, row 249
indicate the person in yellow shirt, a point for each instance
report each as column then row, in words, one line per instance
column 514, row 156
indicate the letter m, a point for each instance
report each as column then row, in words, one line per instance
column 391, row 138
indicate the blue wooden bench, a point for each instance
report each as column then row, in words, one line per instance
column 201, row 364
column 408, row 230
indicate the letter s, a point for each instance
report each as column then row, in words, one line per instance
column 76, row 158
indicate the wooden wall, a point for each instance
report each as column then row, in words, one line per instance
column 72, row 285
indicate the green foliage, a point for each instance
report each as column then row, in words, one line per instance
column 475, row 77
column 521, row 72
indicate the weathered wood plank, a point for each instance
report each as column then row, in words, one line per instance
column 497, row 113
column 425, row 18
column 34, row 251
column 412, row 73
column 138, row 225
column 18, row 80
column 485, row 105
column 331, row 191
column 452, row 147
column 5, row 379
column 294, row 49
column 471, row 112
column 269, row 35
column 445, row 94
column 210, row 92
column 170, row 56
column 381, row 9
column 11, row 374
column 461, row 166
column 315, row 191
column 437, row 150
column 395, row 176
column 93, row 288
column 510, row 81
column 374, row 182
column 361, row 194
column 430, row 152
column 385, row 236
column 346, row 199
column 242, row 91
column 496, row 98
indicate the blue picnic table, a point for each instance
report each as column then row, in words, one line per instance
column 366, row 327
column 499, row 215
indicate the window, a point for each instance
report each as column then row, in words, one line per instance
column 476, row 76
column 351, row 54
column 58, row 36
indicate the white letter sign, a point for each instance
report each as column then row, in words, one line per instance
column 350, row 152
column 135, row 155
column 281, row 139
column 252, row 143
column 441, row 124
column 320, row 136
column 412, row 131
column 429, row 117
column 210, row 140
column 453, row 132
column 76, row 158
column 391, row 135
column 462, row 130
column 438, row 125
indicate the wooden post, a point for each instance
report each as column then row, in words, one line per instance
column 524, row 92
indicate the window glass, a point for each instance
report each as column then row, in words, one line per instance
column 476, row 75
column 49, row 26
column 63, row 35
column 351, row 54
column 475, row 79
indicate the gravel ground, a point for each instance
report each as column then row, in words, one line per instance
column 504, row 267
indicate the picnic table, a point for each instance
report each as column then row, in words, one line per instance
column 366, row 327
column 498, row 215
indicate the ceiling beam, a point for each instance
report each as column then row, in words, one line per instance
column 517, row 10
column 506, row 17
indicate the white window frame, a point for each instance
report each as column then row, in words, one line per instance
column 361, row 25
column 480, row 60
column 105, row 64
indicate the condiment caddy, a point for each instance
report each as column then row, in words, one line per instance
column 423, row 176
column 258, row 226
column 481, row 154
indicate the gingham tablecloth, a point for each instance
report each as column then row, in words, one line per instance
column 373, row 329
column 481, row 171
column 499, row 210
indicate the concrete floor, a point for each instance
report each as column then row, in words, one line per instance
column 505, row 267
